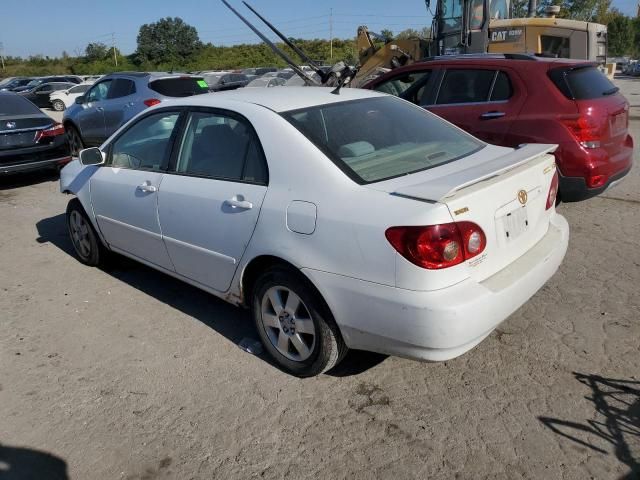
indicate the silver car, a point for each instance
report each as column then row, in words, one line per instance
column 117, row 98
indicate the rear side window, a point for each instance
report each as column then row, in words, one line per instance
column 121, row 87
column 16, row 105
column 502, row 89
column 583, row 83
column 465, row 86
column 179, row 86
column 221, row 146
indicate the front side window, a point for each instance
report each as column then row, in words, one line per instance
column 146, row 144
column 465, row 86
column 221, row 146
column 398, row 85
column 376, row 139
column 99, row 92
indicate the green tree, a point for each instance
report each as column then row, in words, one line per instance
column 620, row 33
column 167, row 41
column 387, row 34
column 95, row 51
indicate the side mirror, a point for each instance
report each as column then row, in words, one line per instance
column 91, row 156
column 80, row 100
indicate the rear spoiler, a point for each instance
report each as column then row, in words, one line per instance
column 446, row 185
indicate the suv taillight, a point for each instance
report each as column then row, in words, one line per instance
column 150, row 102
column 586, row 129
column 438, row 246
column 553, row 191
column 53, row 131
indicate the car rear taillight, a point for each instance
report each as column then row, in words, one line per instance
column 150, row 102
column 553, row 191
column 587, row 130
column 53, row 131
column 438, row 246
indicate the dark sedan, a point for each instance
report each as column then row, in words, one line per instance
column 40, row 94
column 17, row 82
column 219, row 82
column 55, row 78
column 29, row 139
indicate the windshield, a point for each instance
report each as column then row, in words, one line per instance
column 34, row 83
column 376, row 139
column 259, row 82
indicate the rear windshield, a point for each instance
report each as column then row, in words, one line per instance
column 376, row 139
column 179, row 86
column 16, row 105
column 583, row 83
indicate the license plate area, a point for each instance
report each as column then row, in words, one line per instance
column 12, row 140
column 514, row 224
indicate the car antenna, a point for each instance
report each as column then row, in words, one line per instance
column 303, row 56
column 307, row 79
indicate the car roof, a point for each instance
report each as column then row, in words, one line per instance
column 281, row 99
column 507, row 59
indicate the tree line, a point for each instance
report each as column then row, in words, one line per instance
column 170, row 44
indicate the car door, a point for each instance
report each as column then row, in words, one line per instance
column 124, row 191
column 463, row 95
column 117, row 107
column 90, row 118
column 41, row 95
column 210, row 201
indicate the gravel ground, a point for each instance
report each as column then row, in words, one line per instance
column 126, row 373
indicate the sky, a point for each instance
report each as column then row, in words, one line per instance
column 72, row 24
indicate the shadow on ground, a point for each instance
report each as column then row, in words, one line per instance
column 27, row 464
column 617, row 404
column 8, row 182
column 232, row 322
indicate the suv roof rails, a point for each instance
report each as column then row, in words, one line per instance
column 464, row 56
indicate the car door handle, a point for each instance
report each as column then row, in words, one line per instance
column 145, row 187
column 241, row 204
column 100, row 109
column 490, row 115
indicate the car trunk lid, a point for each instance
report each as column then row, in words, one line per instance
column 506, row 196
column 20, row 130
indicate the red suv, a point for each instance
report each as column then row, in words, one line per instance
column 514, row 99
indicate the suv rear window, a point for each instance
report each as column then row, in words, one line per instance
column 179, row 86
column 376, row 139
column 583, row 83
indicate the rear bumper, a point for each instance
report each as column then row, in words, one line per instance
column 442, row 324
column 33, row 159
column 574, row 189
column 576, row 164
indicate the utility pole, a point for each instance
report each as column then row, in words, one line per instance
column 113, row 45
column 331, row 33
column 2, row 54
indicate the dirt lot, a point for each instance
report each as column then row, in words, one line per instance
column 126, row 373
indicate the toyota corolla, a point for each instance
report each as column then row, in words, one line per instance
column 350, row 220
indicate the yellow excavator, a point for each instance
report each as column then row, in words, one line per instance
column 484, row 26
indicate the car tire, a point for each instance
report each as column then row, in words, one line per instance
column 75, row 140
column 86, row 243
column 303, row 340
column 58, row 105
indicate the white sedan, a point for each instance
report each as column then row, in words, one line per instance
column 350, row 220
column 63, row 99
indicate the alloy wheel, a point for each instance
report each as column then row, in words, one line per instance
column 80, row 234
column 288, row 324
